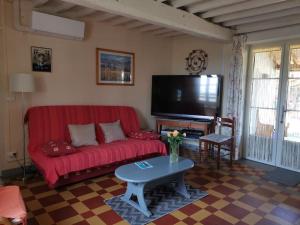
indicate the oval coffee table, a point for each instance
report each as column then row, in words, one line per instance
column 161, row 172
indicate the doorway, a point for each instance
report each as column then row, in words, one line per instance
column 272, row 131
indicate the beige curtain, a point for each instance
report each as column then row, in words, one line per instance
column 236, row 87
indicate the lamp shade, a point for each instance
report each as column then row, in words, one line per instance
column 22, row 82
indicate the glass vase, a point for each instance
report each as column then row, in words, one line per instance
column 174, row 153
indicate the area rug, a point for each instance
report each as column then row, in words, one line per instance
column 163, row 200
column 283, row 176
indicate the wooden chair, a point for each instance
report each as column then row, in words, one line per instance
column 223, row 142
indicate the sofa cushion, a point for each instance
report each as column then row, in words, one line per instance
column 144, row 135
column 58, row 148
column 82, row 134
column 112, row 131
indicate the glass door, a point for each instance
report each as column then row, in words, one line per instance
column 273, row 107
column 263, row 105
column 288, row 153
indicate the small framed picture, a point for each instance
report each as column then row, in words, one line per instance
column 114, row 67
column 41, row 59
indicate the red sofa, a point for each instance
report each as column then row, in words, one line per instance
column 47, row 123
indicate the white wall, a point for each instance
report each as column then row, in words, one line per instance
column 218, row 58
column 73, row 79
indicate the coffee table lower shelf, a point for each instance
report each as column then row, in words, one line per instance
column 138, row 190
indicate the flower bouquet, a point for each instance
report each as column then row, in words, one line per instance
column 175, row 138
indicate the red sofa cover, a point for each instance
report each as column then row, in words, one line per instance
column 47, row 123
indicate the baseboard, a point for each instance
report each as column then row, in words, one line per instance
column 15, row 172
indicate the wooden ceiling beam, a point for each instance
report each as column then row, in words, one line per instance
column 283, row 33
column 208, row 5
column 94, row 17
column 135, row 24
column 263, row 17
column 77, row 12
column 159, row 29
column 258, row 11
column 148, row 28
column 269, row 24
column 168, row 34
column 163, row 32
column 119, row 20
column 38, row 3
column 173, row 35
column 108, row 17
column 239, row 7
column 180, row 3
column 161, row 15
column 55, row 6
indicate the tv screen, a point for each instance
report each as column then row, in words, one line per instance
column 186, row 96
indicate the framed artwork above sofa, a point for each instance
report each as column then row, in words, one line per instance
column 114, row 67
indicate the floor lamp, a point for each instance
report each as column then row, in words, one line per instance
column 22, row 83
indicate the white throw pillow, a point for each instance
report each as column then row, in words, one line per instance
column 112, row 131
column 82, row 134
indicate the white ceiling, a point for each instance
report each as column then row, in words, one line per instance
column 244, row 16
column 240, row 16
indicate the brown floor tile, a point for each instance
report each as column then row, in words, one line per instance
column 50, row 200
column 211, row 209
column 87, row 214
column 210, row 199
column 107, row 183
column 62, row 213
column 110, row 217
column 235, row 211
column 293, row 202
column 224, row 190
column 168, row 219
column 81, row 223
column 82, row 190
column 264, row 192
column 189, row 209
column 238, row 196
column 189, row 221
column 252, row 201
column 237, row 182
column 40, row 189
column 93, row 203
column 214, row 220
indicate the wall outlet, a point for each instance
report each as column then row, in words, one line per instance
column 11, row 156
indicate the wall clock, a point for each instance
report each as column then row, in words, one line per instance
column 196, row 62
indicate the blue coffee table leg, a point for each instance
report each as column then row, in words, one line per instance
column 138, row 191
column 181, row 188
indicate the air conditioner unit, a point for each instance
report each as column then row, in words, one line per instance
column 57, row 26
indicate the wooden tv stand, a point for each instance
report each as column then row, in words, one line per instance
column 187, row 124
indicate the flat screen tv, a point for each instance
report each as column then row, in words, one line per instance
column 185, row 96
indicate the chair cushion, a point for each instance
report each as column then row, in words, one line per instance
column 217, row 138
column 58, row 148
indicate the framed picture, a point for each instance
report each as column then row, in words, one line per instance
column 41, row 59
column 114, row 67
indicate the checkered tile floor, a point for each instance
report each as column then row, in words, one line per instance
column 236, row 196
